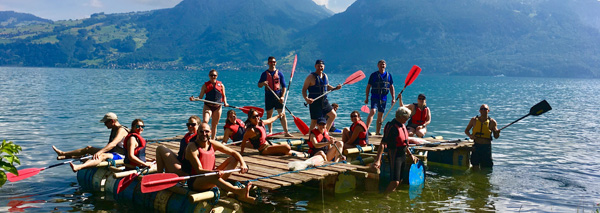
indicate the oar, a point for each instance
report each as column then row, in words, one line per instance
column 412, row 75
column 26, row 173
column 299, row 123
column 538, row 109
column 290, row 83
column 439, row 143
column 157, row 182
column 355, row 77
column 416, row 175
column 126, row 181
column 365, row 109
column 244, row 109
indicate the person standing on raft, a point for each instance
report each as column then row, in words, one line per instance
column 168, row 161
column 201, row 154
column 357, row 134
column 215, row 92
column 256, row 134
column 395, row 138
column 420, row 117
column 317, row 83
column 113, row 150
column 272, row 78
column 321, row 144
column 380, row 84
column 483, row 127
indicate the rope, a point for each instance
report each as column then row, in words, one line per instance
column 217, row 195
column 360, row 149
column 290, row 172
column 111, row 162
column 289, row 142
column 360, row 159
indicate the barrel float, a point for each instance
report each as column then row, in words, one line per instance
column 145, row 200
column 161, row 200
column 109, row 185
column 99, row 179
column 177, row 203
column 127, row 194
column 84, row 177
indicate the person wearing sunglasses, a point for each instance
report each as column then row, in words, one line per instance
column 380, row 84
column 272, row 78
column 480, row 129
column 420, row 117
column 201, row 155
column 113, row 149
column 356, row 135
column 215, row 92
column 321, row 144
column 135, row 146
column 234, row 128
column 168, row 161
column 256, row 134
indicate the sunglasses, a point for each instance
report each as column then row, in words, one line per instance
column 213, row 75
column 190, row 124
column 272, row 61
column 483, row 108
column 206, row 131
column 421, row 98
column 256, row 116
column 354, row 116
column 141, row 126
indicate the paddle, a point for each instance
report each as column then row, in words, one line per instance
column 160, row 181
column 299, row 123
column 538, row 109
column 410, row 78
column 416, row 176
column 355, row 77
column 365, row 109
column 244, row 109
column 290, row 84
column 29, row 172
column 126, row 181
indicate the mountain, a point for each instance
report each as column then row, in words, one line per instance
column 461, row 37
column 11, row 19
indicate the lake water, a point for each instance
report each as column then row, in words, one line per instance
column 544, row 163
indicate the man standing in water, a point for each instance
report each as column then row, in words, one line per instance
column 317, row 84
column 483, row 126
column 273, row 80
column 380, row 84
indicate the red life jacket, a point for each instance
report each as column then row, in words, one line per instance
column 238, row 129
column 207, row 158
column 362, row 139
column 263, row 136
column 139, row 151
column 420, row 116
column 214, row 92
column 273, row 80
column 402, row 138
column 183, row 144
column 320, row 137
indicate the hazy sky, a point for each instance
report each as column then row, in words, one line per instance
column 76, row 9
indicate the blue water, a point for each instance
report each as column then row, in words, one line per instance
column 543, row 163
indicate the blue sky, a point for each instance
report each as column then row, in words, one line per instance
column 77, row 9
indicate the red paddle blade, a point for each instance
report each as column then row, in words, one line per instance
column 247, row 109
column 126, row 181
column 365, row 109
column 157, row 182
column 301, row 125
column 412, row 75
column 23, row 174
column 294, row 66
column 355, row 77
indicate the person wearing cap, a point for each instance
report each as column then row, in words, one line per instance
column 395, row 139
column 483, row 127
column 272, row 78
column 380, row 84
column 113, row 150
column 420, row 118
column 215, row 92
column 317, row 84
column 321, row 144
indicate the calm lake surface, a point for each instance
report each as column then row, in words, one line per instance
column 546, row 163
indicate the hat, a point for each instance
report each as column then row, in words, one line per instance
column 109, row 116
column 319, row 61
column 321, row 120
column 421, row 95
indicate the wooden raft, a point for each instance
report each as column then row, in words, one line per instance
column 263, row 166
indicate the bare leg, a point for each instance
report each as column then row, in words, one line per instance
column 78, row 152
column 333, row 153
column 332, row 116
column 346, row 138
column 205, row 183
column 421, row 132
column 206, row 114
column 283, row 120
column 392, row 186
column 216, row 116
column 379, row 122
column 411, row 131
column 91, row 162
column 270, row 126
column 281, row 149
column 370, row 118
column 313, row 123
column 167, row 160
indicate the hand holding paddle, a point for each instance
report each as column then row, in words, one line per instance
column 157, row 182
column 410, row 78
column 126, row 181
column 27, row 173
column 355, row 77
column 244, row 109
column 538, row 109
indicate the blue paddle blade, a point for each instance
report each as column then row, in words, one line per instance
column 416, row 176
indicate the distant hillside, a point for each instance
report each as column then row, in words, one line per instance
column 13, row 19
column 462, row 37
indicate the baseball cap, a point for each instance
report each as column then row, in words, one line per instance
column 109, row 116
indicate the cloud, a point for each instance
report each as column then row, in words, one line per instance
column 326, row 2
column 96, row 3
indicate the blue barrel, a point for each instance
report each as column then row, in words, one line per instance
column 126, row 196
column 109, row 185
column 84, row 177
column 99, row 179
column 145, row 200
column 161, row 200
column 177, row 203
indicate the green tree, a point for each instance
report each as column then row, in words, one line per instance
column 8, row 157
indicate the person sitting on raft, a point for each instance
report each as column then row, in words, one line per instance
column 234, row 128
column 357, row 134
column 113, row 150
column 168, row 161
column 395, row 138
column 201, row 154
column 215, row 92
column 321, row 144
column 256, row 134
column 420, row 117
column 135, row 146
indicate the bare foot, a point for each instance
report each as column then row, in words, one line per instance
column 287, row 134
column 73, row 167
column 243, row 194
column 58, row 152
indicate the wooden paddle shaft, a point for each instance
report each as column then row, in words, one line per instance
column 355, row 150
column 127, row 173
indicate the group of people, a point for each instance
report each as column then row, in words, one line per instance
column 196, row 153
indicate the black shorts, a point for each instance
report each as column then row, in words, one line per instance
column 213, row 107
column 397, row 158
column 272, row 102
column 319, row 108
column 314, row 151
column 375, row 102
column 482, row 155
